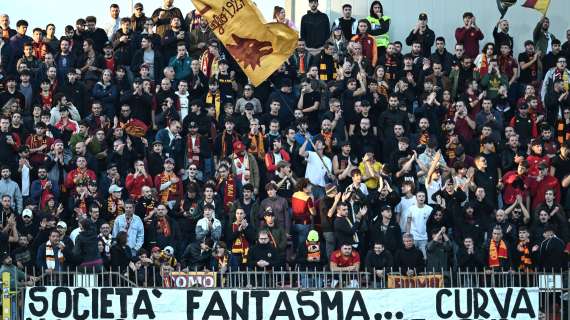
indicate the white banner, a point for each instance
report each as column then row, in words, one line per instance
column 133, row 303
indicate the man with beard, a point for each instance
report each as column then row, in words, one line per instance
column 263, row 255
column 542, row 37
column 462, row 76
column 389, row 118
column 43, row 187
column 501, row 34
column 146, row 205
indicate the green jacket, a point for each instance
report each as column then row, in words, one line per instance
column 539, row 38
column 454, row 79
column 492, row 82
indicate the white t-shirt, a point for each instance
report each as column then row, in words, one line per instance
column 316, row 171
column 419, row 216
column 432, row 188
column 183, row 99
column 402, row 209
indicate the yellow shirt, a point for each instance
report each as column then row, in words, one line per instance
column 372, row 183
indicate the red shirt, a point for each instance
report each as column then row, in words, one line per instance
column 511, row 191
column 302, row 206
column 134, row 185
column 343, row 261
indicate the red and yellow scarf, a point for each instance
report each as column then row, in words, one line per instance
column 164, row 178
column 164, row 227
column 496, row 253
column 240, row 246
column 228, row 187
column 193, row 158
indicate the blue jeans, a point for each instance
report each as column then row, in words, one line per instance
column 299, row 234
column 318, row 192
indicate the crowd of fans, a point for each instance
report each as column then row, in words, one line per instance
column 142, row 144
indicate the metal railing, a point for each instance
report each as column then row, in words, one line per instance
column 554, row 286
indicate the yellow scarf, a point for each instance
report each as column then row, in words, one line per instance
column 216, row 101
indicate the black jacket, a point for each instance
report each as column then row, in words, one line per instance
column 551, row 255
column 391, row 237
column 196, row 259
column 86, row 248
column 426, row 39
column 406, row 259
column 380, row 261
column 467, row 261
column 315, row 29
column 138, row 60
column 262, row 252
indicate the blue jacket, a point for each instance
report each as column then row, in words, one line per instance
column 181, row 67
column 36, row 191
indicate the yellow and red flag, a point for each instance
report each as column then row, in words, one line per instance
column 539, row 5
column 259, row 48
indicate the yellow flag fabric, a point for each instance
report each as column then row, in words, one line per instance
column 539, row 5
column 259, row 48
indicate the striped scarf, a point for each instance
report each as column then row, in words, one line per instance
column 240, row 246
column 526, row 261
column 496, row 253
column 50, row 256
column 165, row 194
column 256, row 145
column 193, row 158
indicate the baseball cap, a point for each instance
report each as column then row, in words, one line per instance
column 238, row 146
column 115, row 188
column 169, row 250
column 138, row 5
column 169, row 160
column 62, row 225
column 386, row 207
column 193, row 124
column 27, row 213
column 423, row 16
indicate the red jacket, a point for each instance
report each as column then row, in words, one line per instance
column 270, row 160
column 539, row 188
column 75, row 176
column 134, row 185
column 512, row 190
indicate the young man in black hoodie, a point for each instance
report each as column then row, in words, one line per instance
column 385, row 230
column 379, row 260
